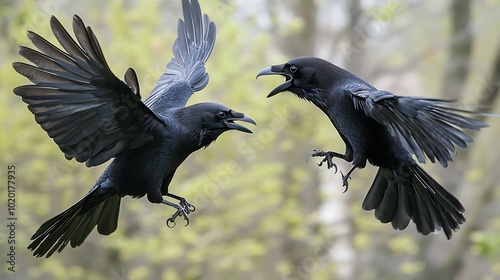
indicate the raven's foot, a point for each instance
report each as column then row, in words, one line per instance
column 346, row 177
column 345, row 184
column 181, row 211
column 188, row 207
column 328, row 158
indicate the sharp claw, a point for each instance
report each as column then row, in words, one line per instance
column 188, row 207
column 336, row 169
column 313, row 151
column 316, row 153
column 345, row 184
column 182, row 210
column 171, row 222
column 327, row 158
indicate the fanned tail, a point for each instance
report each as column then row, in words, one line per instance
column 398, row 196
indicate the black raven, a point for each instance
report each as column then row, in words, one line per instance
column 93, row 117
column 386, row 130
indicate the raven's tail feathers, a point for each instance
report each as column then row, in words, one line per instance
column 400, row 196
column 75, row 223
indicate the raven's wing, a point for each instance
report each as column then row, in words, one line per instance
column 90, row 113
column 185, row 73
column 426, row 126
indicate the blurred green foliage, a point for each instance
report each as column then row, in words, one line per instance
column 257, row 199
column 235, row 184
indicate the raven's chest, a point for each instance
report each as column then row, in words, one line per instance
column 354, row 126
column 138, row 171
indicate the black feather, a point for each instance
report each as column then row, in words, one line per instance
column 387, row 130
column 94, row 117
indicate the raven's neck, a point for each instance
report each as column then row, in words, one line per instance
column 205, row 137
column 315, row 96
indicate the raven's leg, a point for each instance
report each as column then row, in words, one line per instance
column 188, row 207
column 328, row 156
column 347, row 176
column 180, row 212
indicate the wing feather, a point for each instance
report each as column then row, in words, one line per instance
column 185, row 73
column 90, row 114
column 428, row 127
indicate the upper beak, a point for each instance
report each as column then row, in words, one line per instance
column 236, row 116
column 274, row 70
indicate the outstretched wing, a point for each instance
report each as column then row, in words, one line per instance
column 90, row 113
column 428, row 127
column 185, row 73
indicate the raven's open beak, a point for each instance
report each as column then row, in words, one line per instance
column 277, row 70
column 237, row 116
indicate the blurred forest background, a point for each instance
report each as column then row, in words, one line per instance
column 263, row 212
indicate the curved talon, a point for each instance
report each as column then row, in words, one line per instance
column 345, row 184
column 191, row 208
column 327, row 157
column 327, row 160
column 171, row 222
column 313, row 153
column 336, row 168
column 182, row 212
column 183, row 209
column 329, row 163
column 188, row 207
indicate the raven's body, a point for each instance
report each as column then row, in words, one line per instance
column 380, row 148
column 386, row 130
column 150, row 166
column 95, row 117
column 153, row 164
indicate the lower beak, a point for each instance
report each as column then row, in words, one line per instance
column 230, row 123
column 284, row 86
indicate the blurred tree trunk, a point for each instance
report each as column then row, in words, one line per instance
column 356, row 40
column 478, row 190
column 294, row 44
column 300, row 43
column 454, row 80
column 458, row 63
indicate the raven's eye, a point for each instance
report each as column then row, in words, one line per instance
column 293, row 68
column 221, row 114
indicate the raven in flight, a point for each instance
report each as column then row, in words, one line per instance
column 387, row 130
column 93, row 116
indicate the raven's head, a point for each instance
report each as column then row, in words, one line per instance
column 306, row 77
column 207, row 121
